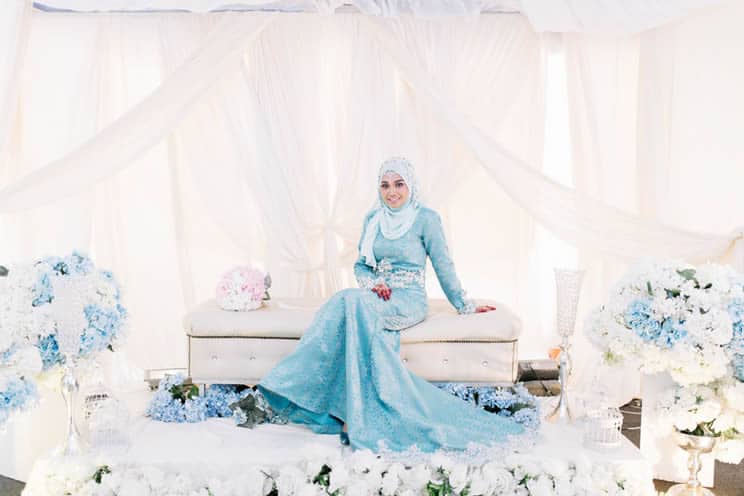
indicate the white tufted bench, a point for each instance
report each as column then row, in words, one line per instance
column 240, row 347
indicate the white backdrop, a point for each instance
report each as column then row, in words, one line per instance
column 265, row 150
column 275, row 166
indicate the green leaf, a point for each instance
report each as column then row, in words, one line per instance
column 323, row 478
column 649, row 288
column 98, row 475
column 672, row 293
column 688, row 274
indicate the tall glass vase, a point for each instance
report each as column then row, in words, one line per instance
column 70, row 322
column 568, row 287
column 74, row 443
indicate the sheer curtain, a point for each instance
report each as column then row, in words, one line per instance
column 653, row 122
column 271, row 160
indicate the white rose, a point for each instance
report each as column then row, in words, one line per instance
column 730, row 451
column 734, row 395
column 361, row 488
column 133, row 487
column 339, row 476
column 556, row 468
column 310, row 489
column 290, row 480
column 458, row 477
column 479, row 484
column 416, row 478
column 725, row 421
column 540, row 486
column 499, row 479
column 390, row 483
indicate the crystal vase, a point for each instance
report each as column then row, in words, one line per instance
column 74, row 443
column 568, row 287
column 694, row 446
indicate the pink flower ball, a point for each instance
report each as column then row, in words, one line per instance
column 241, row 288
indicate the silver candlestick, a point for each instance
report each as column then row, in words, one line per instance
column 568, row 287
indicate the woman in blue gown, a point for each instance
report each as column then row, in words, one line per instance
column 346, row 368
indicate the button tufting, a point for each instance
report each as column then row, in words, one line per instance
column 214, row 357
column 485, row 363
column 445, row 360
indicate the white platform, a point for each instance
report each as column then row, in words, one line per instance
column 217, row 446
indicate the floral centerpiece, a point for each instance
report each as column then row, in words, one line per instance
column 33, row 336
column 243, row 288
column 687, row 321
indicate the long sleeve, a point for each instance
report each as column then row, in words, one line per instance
column 365, row 275
column 436, row 248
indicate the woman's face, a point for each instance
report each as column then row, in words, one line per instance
column 394, row 190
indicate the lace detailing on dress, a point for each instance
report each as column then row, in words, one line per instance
column 365, row 282
column 468, row 307
column 399, row 277
column 474, row 454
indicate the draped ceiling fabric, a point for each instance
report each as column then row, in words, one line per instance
column 268, row 154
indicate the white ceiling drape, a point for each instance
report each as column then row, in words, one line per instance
column 564, row 16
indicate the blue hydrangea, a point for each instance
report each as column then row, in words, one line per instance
column 528, row 417
column 18, row 395
column 75, row 263
column 462, row 391
column 672, row 331
column 736, row 311
column 638, row 317
column 515, row 402
column 49, row 351
column 496, row 398
column 220, row 396
column 103, row 325
column 738, row 363
column 42, row 290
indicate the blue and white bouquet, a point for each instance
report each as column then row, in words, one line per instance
column 515, row 402
column 95, row 306
column 32, row 310
column 676, row 318
column 687, row 321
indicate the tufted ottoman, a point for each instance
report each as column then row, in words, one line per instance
column 240, row 347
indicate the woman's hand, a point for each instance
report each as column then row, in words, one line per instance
column 484, row 308
column 383, row 291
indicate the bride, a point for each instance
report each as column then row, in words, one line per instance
column 345, row 376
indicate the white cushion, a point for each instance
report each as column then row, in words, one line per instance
column 289, row 317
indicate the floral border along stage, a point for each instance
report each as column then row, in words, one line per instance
column 687, row 321
column 360, row 473
column 28, row 330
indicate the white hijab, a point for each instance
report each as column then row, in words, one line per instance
column 392, row 222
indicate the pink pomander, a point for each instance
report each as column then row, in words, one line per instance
column 243, row 288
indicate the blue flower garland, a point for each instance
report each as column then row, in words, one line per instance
column 515, row 402
column 175, row 402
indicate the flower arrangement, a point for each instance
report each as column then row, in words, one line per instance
column 687, row 321
column 515, row 402
column 177, row 401
column 95, row 301
column 715, row 410
column 30, row 329
column 360, row 474
column 243, row 288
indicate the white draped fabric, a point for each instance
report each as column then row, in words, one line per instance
column 263, row 168
column 14, row 30
column 238, row 142
column 609, row 17
column 654, row 123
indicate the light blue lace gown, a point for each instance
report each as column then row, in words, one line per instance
column 347, row 367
